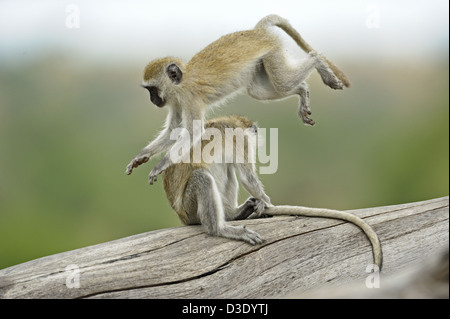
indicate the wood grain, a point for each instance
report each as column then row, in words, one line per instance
column 300, row 254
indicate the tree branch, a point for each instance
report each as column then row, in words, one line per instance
column 300, row 254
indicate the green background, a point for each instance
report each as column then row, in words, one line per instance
column 68, row 130
column 73, row 114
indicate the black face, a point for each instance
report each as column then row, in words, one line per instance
column 154, row 96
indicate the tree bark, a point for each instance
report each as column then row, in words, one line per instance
column 299, row 255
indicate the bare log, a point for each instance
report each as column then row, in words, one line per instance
column 429, row 279
column 300, row 254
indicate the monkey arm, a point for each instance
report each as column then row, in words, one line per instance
column 250, row 181
column 183, row 145
column 189, row 116
column 160, row 144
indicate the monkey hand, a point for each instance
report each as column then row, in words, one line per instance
column 158, row 169
column 259, row 206
column 138, row 160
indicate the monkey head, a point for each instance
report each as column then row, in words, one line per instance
column 162, row 78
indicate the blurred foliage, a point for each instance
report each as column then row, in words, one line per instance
column 69, row 128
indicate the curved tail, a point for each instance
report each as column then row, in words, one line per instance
column 275, row 20
column 329, row 213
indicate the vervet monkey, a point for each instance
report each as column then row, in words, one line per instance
column 252, row 60
column 207, row 194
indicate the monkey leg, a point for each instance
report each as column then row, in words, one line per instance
column 329, row 78
column 303, row 108
column 262, row 89
column 286, row 77
column 250, row 181
column 211, row 213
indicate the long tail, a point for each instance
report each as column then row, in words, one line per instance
column 275, row 20
column 329, row 213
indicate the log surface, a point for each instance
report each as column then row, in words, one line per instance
column 300, row 254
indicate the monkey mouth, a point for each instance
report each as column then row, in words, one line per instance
column 154, row 96
column 159, row 103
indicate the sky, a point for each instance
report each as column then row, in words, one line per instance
column 130, row 30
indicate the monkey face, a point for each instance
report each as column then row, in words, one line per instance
column 153, row 75
column 154, row 96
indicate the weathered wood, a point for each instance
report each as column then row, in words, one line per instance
column 300, row 254
column 429, row 279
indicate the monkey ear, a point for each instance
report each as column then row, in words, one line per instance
column 174, row 73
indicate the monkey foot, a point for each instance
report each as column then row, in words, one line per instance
column 303, row 113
